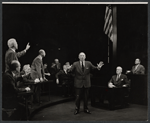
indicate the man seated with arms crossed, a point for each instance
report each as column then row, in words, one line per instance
column 9, row 92
column 118, row 83
column 137, row 68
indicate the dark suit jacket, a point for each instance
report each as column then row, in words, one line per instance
column 140, row 70
column 10, row 56
column 64, row 78
column 123, row 80
column 55, row 69
column 9, row 90
column 82, row 78
column 37, row 70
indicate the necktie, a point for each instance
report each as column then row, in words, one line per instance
column 117, row 78
column 82, row 67
column 135, row 68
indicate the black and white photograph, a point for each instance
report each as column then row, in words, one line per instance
column 74, row 61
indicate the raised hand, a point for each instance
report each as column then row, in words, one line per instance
column 69, row 67
column 27, row 47
column 100, row 64
column 27, row 89
column 57, row 81
column 41, row 79
column 45, row 79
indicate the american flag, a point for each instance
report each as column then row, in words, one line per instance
column 108, row 26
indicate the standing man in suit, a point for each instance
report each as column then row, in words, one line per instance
column 138, row 68
column 118, row 83
column 37, row 71
column 82, row 81
column 11, row 53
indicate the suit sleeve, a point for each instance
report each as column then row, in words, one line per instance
column 142, row 70
column 92, row 66
column 43, row 72
column 72, row 68
column 12, row 85
column 132, row 70
column 19, row 54
column 10, row 58
column 126, row 80
column 111, row 80
column 26, row 80
column 38, row 67
column 57, row 74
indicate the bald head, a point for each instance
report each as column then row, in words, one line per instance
column 82, row 56
column 42, row 53
column 56, row 61
column 12, row 43
column 119, row 70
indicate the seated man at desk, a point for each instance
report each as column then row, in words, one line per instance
column 10, row 91
column 137, row 68
column 118, row 84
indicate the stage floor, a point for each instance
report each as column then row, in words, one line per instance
column 64, row 112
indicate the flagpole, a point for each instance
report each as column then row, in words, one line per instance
column 108, row 50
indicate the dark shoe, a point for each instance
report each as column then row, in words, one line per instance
column 76, row 111
column 87, row 111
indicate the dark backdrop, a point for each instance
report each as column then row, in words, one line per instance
column 65, row 30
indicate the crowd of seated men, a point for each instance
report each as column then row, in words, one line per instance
column 12, row 105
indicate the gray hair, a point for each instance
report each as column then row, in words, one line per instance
column 11, row 42
column 119, row 68
column 41, row 51
column 25, row 67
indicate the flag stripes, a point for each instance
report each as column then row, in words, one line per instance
column 108, row 27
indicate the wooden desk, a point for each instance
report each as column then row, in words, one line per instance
column 139, row 89
column 49, row 82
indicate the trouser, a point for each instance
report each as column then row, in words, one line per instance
column 79, row 92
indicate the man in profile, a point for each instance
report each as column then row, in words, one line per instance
column 82, row 82
column 37, row 71
column 11, row 52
